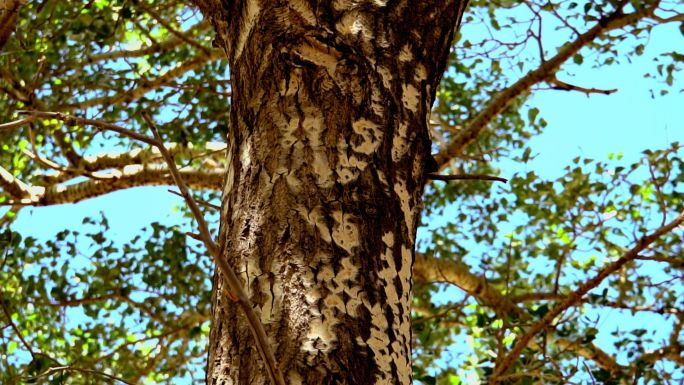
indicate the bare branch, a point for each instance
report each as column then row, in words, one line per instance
column 74, row 120
column 200, row 201
column 130, row 176
column 545, row 71
column 429, row 269
column 160, row 47
column 68, row 368
column 213, row 152
column 172, row 30
column 591, row 352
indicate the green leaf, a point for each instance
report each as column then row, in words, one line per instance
column 578, row 58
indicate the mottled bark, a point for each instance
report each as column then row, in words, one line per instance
column 328, row 147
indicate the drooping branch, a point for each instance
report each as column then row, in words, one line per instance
column 544, row 72
column 16, row 124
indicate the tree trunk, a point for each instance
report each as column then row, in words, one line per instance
column 328, row 147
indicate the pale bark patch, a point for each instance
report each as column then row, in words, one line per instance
column 405, row 203
column 406, row 55
column 400, row 145
column 249, row 20
column 410, row 97
column 371, row 134
column 320, row 55
column 386, row 76
column 345, row 232
column 303, row 9
column 420, row 74
column 132, row 169
column 316, row 218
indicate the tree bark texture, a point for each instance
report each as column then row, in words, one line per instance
column 328, row 147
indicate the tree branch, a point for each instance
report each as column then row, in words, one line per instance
column 180, row 35
column 16, row 124
column 545, row 71
column 145, row 156
column 130, row 176
column 577, row 295
column 10, row 321
column 13, row 186
column 430, row 269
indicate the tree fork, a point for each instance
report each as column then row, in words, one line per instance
column 328, row 144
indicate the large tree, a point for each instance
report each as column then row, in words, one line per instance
column 320, row 124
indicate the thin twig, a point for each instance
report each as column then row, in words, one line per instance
column 174, row 31
column 14, row 327
column 434, row 176
column 200, row 201
column 74, row 120
column 236, row 291
column 16, row 123
column 561, row 85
